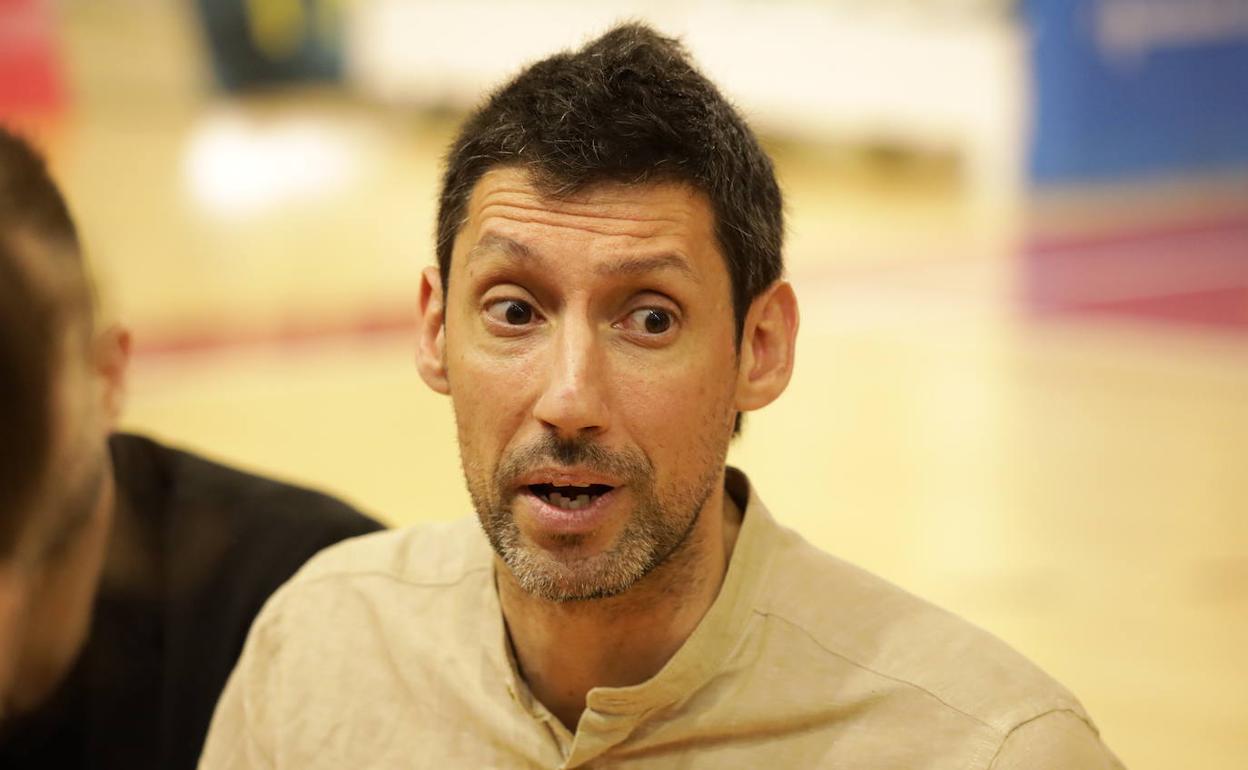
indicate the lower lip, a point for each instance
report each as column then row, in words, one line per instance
column 561, row 521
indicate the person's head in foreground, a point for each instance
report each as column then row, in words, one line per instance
column 60, row 388
column 608, row 302
column 129, row 571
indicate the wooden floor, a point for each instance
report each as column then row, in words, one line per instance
column 1076, row 483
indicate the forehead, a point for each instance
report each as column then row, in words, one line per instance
column 508, row 216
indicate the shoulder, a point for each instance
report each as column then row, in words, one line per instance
column 430, row 555
column 1059, row 738
column 403, row 568
column 188, row 486
column 908, row 644
column 360, row 600
column 381, row 618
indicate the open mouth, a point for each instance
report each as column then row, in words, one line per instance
column 569, row 498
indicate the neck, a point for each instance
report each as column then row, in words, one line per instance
column 623, row 640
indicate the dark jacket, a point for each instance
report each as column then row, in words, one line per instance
column 214, row 543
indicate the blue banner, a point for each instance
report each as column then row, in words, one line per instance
column 1125, row 89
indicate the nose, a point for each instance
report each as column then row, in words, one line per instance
column 573, row 400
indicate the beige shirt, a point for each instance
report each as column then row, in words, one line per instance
column 389, row 651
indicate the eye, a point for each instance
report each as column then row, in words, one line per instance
column 651, row 320
column 510, row 312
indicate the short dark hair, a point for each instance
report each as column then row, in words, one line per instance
column 35, row 219
column 628, row 107
column 29, row 199
column 35, row 224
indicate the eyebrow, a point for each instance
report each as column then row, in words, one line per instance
column 622, row 266
column 641, row 265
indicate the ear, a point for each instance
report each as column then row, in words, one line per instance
column 110, row 359
column 431, row 345
column 767, row 347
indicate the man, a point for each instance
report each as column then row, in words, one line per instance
column 25, row 341
column 129, row 572
column 608, row 300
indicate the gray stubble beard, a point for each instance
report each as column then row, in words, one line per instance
column 656, row 533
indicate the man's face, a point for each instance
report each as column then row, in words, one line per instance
column 48, row 586
column 591, row 359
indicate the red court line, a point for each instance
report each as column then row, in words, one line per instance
column 1225, row 308
column 291, row 334
column 1194, row 273
column 1041, row 245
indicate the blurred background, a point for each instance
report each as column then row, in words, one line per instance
column 1018, row 231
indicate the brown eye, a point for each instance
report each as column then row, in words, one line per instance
column 658, row 321
column 652, row 320
column 519, row 313
column 511, row 312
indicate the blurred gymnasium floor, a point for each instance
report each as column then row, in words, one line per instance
column 1073, row 481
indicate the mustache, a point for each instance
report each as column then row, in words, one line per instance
column 628, row 464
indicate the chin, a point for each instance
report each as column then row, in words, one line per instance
column 561, row 576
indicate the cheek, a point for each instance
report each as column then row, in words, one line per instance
column 491, row 395
column 676, row 406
